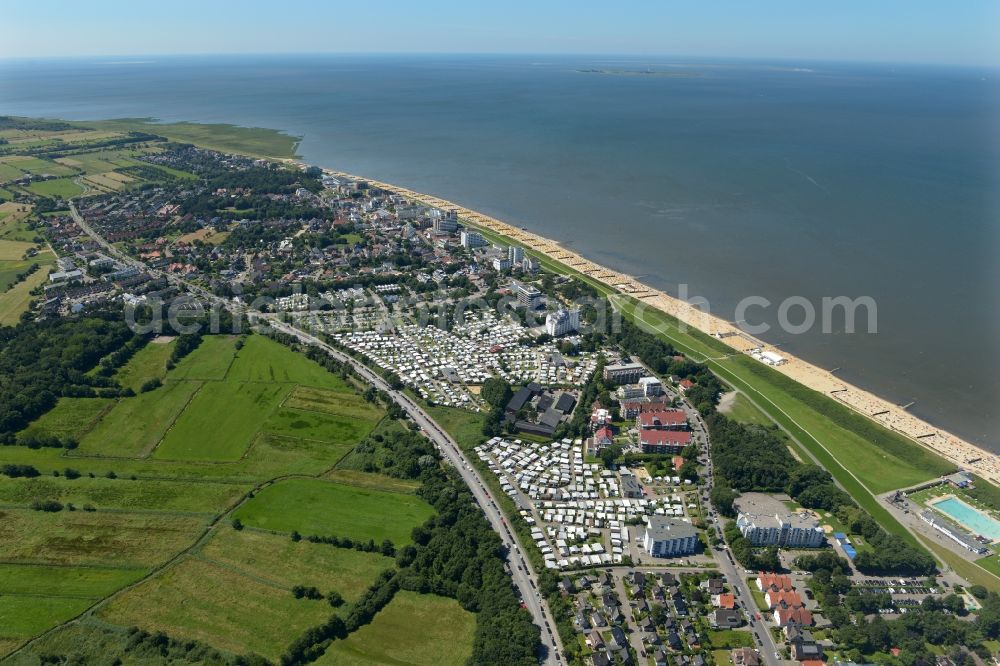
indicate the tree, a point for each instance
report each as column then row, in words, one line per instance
column 496, row 392
column 237, row 524
column 724, row 498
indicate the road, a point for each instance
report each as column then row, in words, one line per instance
column 524, row 575
column 522, row 572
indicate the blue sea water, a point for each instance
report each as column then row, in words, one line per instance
column 736, row 178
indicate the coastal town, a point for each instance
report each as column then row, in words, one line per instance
column 654, row 508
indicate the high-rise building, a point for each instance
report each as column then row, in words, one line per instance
column 669, row 537
column 562, row 322
column 472, row 239
column 515, row 255
column 527, row 295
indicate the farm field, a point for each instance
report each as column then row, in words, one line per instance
column 264, row 360
column 148, row 363
column 15, row 300
column 62, row 188
column 84, row 582
column 71, row 417
column 200, row 600
column 23, row 616
column 421, row 629
column 255, row 141
column 127, row 540
column 331, row 402
column 210, row 360
column 285, row 563
column 135, row 425
column 220, row 421
column 315, row 425
column 166, row 496
column 313, row 506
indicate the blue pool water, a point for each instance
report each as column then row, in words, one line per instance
column 969, row 517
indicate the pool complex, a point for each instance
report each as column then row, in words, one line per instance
column 969, row 517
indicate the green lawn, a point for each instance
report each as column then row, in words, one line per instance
column 465, row 426
column 64, row 188
column 313, row 506
column 220, row 421
column 286, row 563
column 203, row 601
column 342, row 402
column 148, row 363
column 135, row 425
column 742, row 410
column 419, row 629
column 730, row 638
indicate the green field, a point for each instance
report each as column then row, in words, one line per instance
column 312, row 506
column 332, row 402
column 744, row 411
column 15, row 300
column 255, row 141
column 85, row 582
column 71, row 417
column 38, row 166
column 264, row 360
column 464, row 425
column 166, row 495
column 220, row 421
column 125, row 540
column 285, row 563
column 135, row 425
column 420, row 629
column 199, row 600
column 24, row 616
column 209, row 361
column 62, row 188
column 148, row 363
column 315, row 425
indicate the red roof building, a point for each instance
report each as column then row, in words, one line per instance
column 662, row 419
column 769, row 581
column 664, row 441
column 797, row 616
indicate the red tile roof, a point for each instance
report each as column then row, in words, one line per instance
column 658, row 437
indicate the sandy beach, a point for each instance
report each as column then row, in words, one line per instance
column 960, row 452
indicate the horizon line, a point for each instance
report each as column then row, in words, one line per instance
column 468, row 54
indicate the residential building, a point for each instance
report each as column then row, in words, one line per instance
column 446, row 222
column 515, row 255
column 630, row 486
column 562, row 322
column 668, row 537
column 662, row 419
column 623, row 373
column 651, row 386
column 501, row 264
column 765, row 521
column 664, row 441
column 527, row 295
column 529, row 265
column 472, row 239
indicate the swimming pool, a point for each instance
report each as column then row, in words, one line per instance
column 971, row 518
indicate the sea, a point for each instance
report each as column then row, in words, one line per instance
column 719, row 179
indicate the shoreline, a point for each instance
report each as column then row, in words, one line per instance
column 952, row 448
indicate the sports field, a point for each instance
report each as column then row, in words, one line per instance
column 313, row 506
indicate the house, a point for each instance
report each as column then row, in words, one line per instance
column 745, row 657
column 715, row 586
column 660, row 658
column 641, row 605
column 600, row 659
column 603, row 438
column 674, row 641
column 799, row 616
column 769, row 581
column 658, row 594
column 566, row 586
column 638, row 579
column 597, row 619
column 725, row 618
column 618, row 639
column 783, row 599
column 609, row 601
column 806, row 651
column 594, row 641
column 727, row 601
column 581, row 621
column 685, row 385
column 664, row 441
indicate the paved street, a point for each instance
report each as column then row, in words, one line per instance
column 523, row 574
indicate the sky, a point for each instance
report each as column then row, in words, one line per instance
column 965, row 32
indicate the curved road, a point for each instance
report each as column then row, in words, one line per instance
column 522, row 572
column 525, row 578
